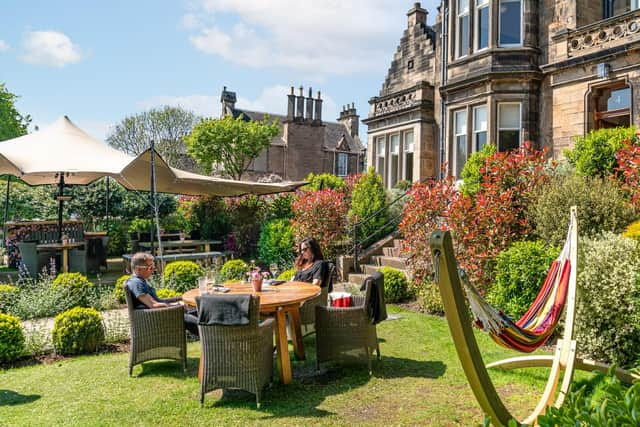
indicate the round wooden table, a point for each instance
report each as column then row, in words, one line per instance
column 279, row 301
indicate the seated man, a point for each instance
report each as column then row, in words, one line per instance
column 144, row 294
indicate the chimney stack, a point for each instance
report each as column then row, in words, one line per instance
column 291, row 105
column 318, row 110
column 350, row 119
column 300, row 105
column 228, row 100
column 309, row 113
column 416, row 15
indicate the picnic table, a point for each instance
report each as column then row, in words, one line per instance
column 210, row 256
column 183, row 245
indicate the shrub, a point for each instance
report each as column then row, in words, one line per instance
column 234, row 269
column 471, row 172
column 276, row 242
column 594, row 154
column 520, row 273
column 322, row 181
column 245, row 214
column 607, row 326
column 209, row 216
column 183, row 275
column 77, row 330
column 118, row 239
column 38, row 298
column 118, row 291
column 628, row 171
column 429, row 299
column 396, row 287
column 601, row 207
column 167, row 293
column 140, row 225
column 75, row 287
column 369, row 197
column 609, row 404
column 279, row 206
column 8, row 294
column 11, row 338
column 323, row 215
column 287, row 274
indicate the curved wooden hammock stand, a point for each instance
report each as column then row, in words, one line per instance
column 564, row 358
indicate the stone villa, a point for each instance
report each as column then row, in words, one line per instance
column 306, row 142
column 503, row 71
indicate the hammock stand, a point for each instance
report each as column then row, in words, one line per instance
column 563, row 360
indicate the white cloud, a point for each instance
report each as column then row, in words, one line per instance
column 50, row 48
column 320, row 37
column 3, row 46
column 203, row 105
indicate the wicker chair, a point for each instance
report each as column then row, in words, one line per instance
column 34, row 261
column 237, row 356
column 347, row 333
column 308, row 309
column 156, row 333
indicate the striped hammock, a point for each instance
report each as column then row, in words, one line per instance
column 536, row 326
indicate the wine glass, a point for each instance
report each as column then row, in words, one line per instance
column 273, row 268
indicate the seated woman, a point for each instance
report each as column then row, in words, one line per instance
column 309, row 263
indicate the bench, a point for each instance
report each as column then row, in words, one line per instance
column 193, row 256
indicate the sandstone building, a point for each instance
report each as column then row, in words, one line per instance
column 503, row 71
column 306, row 143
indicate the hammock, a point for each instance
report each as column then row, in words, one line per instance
column 536, row 326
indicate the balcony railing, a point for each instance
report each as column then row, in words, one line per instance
column 610, row 32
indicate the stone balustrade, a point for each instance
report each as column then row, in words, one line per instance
column 604, row 34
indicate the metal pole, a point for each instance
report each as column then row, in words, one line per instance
column 356, row 268
column 106, row 202
column 60, row 205
column 6, row 213
column 154, row 203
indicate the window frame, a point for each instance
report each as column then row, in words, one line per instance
column 381, row 141
column 498, row 124
column 474, row 130
column 342, row 157
column 457, row 168
column 458, row 17
column 476, row 20
column 405, row 152
column 500, row 44
column 394, row 179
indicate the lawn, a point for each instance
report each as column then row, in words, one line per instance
column 419, row 381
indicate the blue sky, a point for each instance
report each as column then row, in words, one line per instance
column 98, row 62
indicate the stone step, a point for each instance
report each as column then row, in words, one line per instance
column 397, row 243
column 357, row 279
column 389, row 261
column 392, row 251
column 369, row 268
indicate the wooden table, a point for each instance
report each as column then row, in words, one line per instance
column 64, row 247
column 181, row 244
column 279, row 301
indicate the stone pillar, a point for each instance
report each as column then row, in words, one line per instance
column 416, row 15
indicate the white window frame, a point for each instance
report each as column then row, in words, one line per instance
column 519, row 128
column 394, row 179
column 342, row 162
column 635, row 4
column 481, row 4
column 463, row 133
column 407, row 149
column 460, row 14
column 500, row 22
column 475, row 129
column 381, row 142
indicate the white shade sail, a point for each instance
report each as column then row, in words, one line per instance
column 40, row 157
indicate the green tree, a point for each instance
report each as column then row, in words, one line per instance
column 594, row 154
column 166, row 126
column 231, row 144
column 368, row 197
column 12, row 123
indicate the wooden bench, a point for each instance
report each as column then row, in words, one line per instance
column 194, row 256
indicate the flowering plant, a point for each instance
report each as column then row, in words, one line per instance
column 256, row 274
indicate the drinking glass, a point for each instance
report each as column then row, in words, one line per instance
column 273, row 268
column 202, row 285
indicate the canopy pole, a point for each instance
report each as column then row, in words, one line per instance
column 60, row 205
column 106, row 210
column 6, row 213
column 154, row 201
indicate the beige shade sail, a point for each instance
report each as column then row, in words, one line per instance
column 40, row 157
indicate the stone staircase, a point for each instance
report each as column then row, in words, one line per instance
column 384, row 253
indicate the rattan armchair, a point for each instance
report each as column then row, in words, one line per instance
column 237, row 356
column 308, row 309
column 348, row 333
column 156, row 333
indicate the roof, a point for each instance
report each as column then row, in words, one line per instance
column 334, row 133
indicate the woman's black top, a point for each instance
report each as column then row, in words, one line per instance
column 316, row 271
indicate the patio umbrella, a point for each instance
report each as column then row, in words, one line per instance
column 63, row 154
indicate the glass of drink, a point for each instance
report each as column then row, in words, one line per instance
column 202, row 285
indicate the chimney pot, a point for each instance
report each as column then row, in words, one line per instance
column 318, row 94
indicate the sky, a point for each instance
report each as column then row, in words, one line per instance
column 100, row 61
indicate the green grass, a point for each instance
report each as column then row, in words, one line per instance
column 419, row 381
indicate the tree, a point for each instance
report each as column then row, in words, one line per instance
column 230, row 143
column 12, row 123
column 167, row 126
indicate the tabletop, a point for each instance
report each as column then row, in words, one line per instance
column 178, row 243
column 271, row 297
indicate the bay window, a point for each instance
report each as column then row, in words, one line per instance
column 462, row 26
column 508, row 126
column 510, row 23
column 482, row 24
column 460, row 137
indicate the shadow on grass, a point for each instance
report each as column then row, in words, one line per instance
column 395, row 367
column 11, row 398
column 166, row 368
